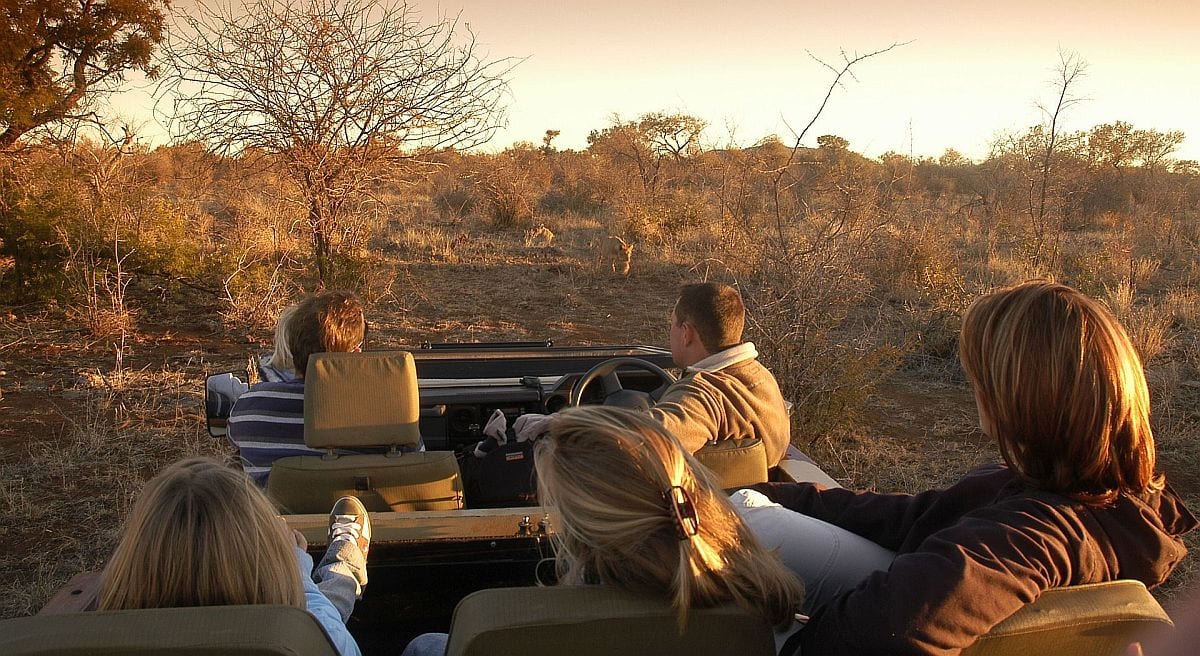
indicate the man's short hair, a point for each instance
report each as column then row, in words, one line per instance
column 329, row 322
column 715, row 310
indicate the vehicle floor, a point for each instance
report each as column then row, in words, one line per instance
column 400, row 603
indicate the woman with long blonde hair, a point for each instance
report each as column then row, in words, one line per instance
column 278, row 366
column 202, row 534
column 638, row 513
column 1060, row 388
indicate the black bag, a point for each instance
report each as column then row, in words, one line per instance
column 504, row 477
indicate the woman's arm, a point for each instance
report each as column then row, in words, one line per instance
column 957, row 585
column 889, row 520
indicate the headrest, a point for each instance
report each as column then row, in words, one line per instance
column 590, row 620
column 354, row 400
column 736, row 462
column 201, row 631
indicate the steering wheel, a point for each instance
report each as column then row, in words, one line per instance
column 614, row 393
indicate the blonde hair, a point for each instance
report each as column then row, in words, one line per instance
column 1064, row 389
column 281, row 359
column 609, row 473
column 201, row 534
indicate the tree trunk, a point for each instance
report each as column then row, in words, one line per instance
column 319, row 226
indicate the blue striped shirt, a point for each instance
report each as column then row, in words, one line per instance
column 266, row 424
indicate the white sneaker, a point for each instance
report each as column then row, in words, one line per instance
column 349, row 521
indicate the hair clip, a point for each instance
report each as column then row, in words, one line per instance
column 687, row 523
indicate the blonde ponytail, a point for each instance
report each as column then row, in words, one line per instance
column 639, row 513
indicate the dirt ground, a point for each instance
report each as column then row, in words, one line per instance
column 78, row 435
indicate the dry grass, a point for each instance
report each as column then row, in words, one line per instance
column 67, row 483
column 64, row 495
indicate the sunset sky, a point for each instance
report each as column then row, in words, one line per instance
column 971, row 69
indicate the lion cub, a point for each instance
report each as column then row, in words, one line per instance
column 539, row 237
column 615, row 251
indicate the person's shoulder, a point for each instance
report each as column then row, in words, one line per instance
column 277, row 387
column 270, row 394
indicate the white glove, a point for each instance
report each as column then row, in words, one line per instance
column 531, row 426
column 495, row 434
column 496, row 427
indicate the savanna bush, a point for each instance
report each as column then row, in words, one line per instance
column 32, row 219
column 455, row 202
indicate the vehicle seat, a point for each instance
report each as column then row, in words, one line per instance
column 737, row 463
column 201, row 631
column 596, row 620
column 1098, row 619
column 360, row 401
column 797, row 467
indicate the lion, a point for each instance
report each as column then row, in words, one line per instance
column 615, row 251
column 539, row 237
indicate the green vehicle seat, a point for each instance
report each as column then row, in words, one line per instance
column 363, row 401
column 202, row 631
column 595, row 621
column 1089, row 620
column 737, row 463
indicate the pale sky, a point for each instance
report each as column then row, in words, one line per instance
column 972, row 68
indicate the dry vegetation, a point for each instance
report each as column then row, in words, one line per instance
column 129, row 275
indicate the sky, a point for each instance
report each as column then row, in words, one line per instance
column 967, row 72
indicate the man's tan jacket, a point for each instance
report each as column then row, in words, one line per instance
column 728, row 395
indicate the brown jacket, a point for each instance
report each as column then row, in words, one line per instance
column 739, row 401
column 973, row 554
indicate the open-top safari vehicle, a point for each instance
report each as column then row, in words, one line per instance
column 459, row 543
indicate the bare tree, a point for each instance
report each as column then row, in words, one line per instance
column 1070, row 69
column 802, row 253
column 334, row 89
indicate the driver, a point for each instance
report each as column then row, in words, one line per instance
column 725, row 393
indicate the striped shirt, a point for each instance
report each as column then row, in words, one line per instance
column 267, row 423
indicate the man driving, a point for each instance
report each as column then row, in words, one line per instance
column 725, row 393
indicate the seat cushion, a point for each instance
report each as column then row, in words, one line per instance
column 424, row 480
column 1099, row 619
column 737, row 463
column 595, row 620
column 205, row 631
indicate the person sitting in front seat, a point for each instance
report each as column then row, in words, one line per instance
column 267, row 422
column 638, row 513
column 725, row 393
column 201, row 534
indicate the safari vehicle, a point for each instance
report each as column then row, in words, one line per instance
column 465, row 558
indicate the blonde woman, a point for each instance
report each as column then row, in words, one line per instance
column 1078, row 499
column 202, row 534
column 277, row 366
column 638, row 513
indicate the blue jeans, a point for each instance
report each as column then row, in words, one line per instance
column 341, row 575
column 827, row 558
column 427, row 644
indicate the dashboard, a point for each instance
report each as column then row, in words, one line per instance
column 461, row 385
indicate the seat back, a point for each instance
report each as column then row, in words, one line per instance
column 364, row 401
column 203, row 631
column 595, row 620
column 1099, row 619
column 737, row 463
